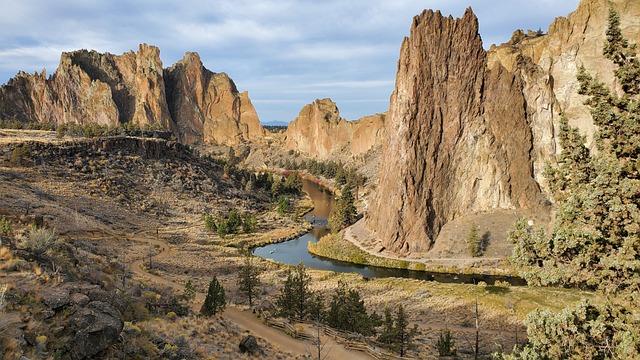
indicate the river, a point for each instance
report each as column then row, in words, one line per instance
column 295, row 251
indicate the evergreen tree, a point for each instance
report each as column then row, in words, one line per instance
column 595, row 241
column 446, row 345
column 293, row 299
column 474, row 243
column 215, row 300
column 189, row 292
column 348, row 312
column 396, row 331
column 344, row 212
column 248, row 282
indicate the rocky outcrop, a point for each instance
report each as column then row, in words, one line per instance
column 548, row 66
column 320, row 132
column 96, row 327
column 206, row 106
column 90, row 87
column 470, row 131
column 457, row 136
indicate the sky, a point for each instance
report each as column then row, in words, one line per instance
column 286, row 53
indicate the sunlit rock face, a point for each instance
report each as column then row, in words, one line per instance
column 91, row 87
column 470, row 131
column 458, row 140
column 319, row 131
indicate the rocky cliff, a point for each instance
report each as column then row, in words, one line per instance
column 451, row 147
column 206, row 106
column 320, row 131
column 548, row 66
column 470, row 131
column 91, row 87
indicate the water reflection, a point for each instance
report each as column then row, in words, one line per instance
column 295, row 251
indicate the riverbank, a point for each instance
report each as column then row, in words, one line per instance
column 342, row 247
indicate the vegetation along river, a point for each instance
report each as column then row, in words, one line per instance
column 295, row 251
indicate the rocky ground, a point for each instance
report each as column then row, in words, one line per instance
column 129, row 210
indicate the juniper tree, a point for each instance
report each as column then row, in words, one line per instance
column 396, row 332
column 248, row 282
column 595, row 241
column 293, row 299
column 344, row 212
column 215, row 300
column 474, row 242
column 189, row 292
column 348, row 312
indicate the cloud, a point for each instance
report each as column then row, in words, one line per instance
column 285, row 52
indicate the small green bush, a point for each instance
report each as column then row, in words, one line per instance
column 39, row 240
column 5, row 226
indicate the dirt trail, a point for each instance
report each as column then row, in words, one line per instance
column 244, row 319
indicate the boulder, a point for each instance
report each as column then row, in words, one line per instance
column 249, row 344
column 55, row 298
column 95, row 327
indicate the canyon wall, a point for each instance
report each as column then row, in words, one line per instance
column 90, row 87
column 470, row 131
column 451, row 148
column 319, row 131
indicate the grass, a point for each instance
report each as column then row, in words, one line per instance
column 334, row 247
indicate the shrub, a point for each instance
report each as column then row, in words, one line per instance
column 284, row 205
column 5, row 226
column 249, row 223
column 446, row 345
column 209, row 222
column 39, row 240
column 474, row 242
column 20, row 154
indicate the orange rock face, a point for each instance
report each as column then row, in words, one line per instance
column 470, row 131
column 206, row 106
column 91, row 87
column 457, row 136
column 320, row 132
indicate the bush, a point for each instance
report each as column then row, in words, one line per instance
column 209, row 222
column 5, row 226
column 20, row 154
column 284, row 205
column 474, row 242
column 446, row 345
column 39, row 240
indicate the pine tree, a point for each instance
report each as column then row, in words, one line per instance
column 344, row 212
column 595, row 241
column 248, row 282
column 396, row 332
column 189, row 292
column 446, row 345
column 403, row 334
column 348, row 312
column 215, row 300
column 293, row 299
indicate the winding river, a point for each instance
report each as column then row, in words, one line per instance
column 295, row 251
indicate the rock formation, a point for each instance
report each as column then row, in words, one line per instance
column 206, row 106
column 320, row 132
column 451, row 147
column 91, row 87
column 470, row 131
column 549, row 64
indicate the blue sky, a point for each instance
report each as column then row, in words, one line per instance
column 285, row 53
